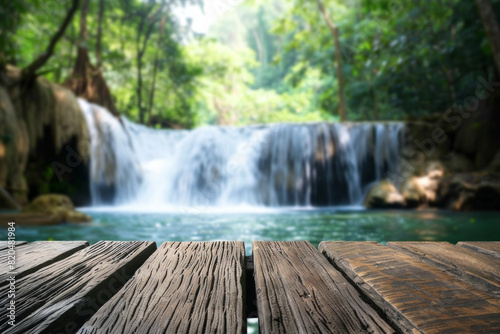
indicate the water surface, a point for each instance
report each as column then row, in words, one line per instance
column 314, row 225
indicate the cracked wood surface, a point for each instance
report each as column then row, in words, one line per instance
column 33, row 256
column 298, row 291
column 185, row 287
column 62, row 296
column 486, row 247
column 416, row 297
column 5, row 244
column 479, row 270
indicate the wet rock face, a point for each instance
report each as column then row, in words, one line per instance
column 384, row 195
column 469, row 191
column 59, row 207
column 39, row 123
column 465, row 146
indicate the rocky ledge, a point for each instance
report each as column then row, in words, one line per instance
column 47, row 209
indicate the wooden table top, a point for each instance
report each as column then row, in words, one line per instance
column 212, row 287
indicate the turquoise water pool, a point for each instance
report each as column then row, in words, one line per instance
column 313, row 225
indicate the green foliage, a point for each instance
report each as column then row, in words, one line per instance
column 399, row 57
column 266, row 61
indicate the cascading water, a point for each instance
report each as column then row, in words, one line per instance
column 316, row 164
column 115, row 171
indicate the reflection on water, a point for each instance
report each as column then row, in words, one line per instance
column 311, row 225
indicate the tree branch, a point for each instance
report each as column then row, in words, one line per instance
column 30, row 71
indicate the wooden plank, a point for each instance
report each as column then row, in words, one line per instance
column 5, row 244
column 298, row 291
column 185, row 287
column 479, row 270
column 486, row 247
column 62, row 296
column 416, row 297
column 36, row 255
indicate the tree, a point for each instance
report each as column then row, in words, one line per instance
column 338, row 58
column 145, row 29
column 29, row 72
column 86, row 80
column 155, row 69
column 98, row 47
column 491, row 27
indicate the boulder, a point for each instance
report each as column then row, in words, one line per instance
column 469, row 191
column 414, row 192
column 419, row 191
column 384, row 195
column 59, row 206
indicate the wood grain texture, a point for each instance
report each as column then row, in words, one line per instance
column 62, row 296
column 486, row 247
column 5, row 244
column 417, row 297
column 298, row 291
column 185, row 287
column 479, row 270
column 33, row 256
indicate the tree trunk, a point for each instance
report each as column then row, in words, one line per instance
column 375, row 104
column 141, row 49
column 86, row 80
column 155, row 69
column 338, row 58
column 98, row 46
column 491, row 27
column 260, row 51
column 83, row 21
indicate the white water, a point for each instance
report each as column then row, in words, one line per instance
column 298, row 165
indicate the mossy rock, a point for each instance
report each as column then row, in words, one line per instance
column 56, row 205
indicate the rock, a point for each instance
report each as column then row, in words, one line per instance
column 425, row 142
column 419, row 191
column 38, row 123
column 469, row 191
column 59, row 206
column 413, row 192
column 384, row 195
column 6, row 201
column 458, row 163
column 478, row 134
column 494, row 166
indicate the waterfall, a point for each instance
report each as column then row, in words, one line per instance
column 312, row 164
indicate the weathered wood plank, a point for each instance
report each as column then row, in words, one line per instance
column 62, row 296
column 416, row 296
column 486, row 247
column 5, row 244
column 479, row 270
column 298, row 291
column 36, row 255
column 185, row 287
